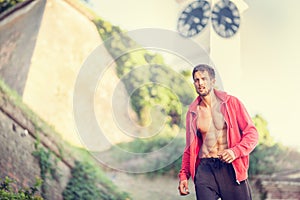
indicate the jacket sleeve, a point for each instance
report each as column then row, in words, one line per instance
column 184, row 173
column 249, row 134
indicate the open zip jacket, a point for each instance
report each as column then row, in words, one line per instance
column 242, row 136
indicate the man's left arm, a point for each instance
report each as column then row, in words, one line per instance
column 249, row 134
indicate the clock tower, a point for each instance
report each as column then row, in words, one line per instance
column 215, row 25
column 194, row 21
column 225, row 41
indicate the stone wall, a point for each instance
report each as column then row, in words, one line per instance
column 19, row 28
column 18, row 136
column 50, row 39
column 281, row 185
column 65, row 40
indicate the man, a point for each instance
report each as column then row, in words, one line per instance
column 219, row 138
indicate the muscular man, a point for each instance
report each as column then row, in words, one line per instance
column 219, row 138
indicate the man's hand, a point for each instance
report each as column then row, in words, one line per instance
column 183, row 187
column 227, row 156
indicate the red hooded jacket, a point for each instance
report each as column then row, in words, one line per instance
column 242, row 136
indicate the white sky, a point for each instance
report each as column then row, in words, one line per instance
column 269, row 51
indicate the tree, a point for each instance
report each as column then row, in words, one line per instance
column 262, row 127
column 270, row 156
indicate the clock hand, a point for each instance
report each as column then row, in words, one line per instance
column 196, row 20
column 193, row 19
column 228, row 20
column 225, row 19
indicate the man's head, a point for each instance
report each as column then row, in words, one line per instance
column 204, row 67
column 204, row 79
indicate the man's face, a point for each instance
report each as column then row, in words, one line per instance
column 203, row 83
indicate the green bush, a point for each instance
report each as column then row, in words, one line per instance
column 85, row 185
column 82, row 185
column 271, row 159
column 168, row 163
column 8, row 193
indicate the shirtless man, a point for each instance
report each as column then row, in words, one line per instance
column 219, row 138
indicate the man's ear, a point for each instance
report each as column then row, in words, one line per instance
column 213, row 81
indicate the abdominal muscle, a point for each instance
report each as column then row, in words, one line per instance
column 213, row 131
column 212, row 144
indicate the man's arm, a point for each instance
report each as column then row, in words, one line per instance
column 184, row 173
column 249, row 134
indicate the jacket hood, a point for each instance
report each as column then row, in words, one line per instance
column 223, row 96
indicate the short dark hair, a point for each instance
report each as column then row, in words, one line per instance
column 205, row 67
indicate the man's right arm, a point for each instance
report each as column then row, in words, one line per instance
column 184, row 173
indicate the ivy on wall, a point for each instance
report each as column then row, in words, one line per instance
column 7, row 192
column 48, row 166
column 86, row 182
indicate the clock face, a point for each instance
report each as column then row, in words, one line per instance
column 225, row 18
column 194, row 18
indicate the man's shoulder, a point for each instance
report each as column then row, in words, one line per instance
column 232, row 98
column 233, row 101
column 226, row 97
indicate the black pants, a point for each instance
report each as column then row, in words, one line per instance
column 215, row 179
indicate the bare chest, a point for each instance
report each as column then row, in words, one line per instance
column 210, row 120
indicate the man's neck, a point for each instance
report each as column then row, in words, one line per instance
column 209, row 99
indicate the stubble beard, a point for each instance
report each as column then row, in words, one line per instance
column 206, row 93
